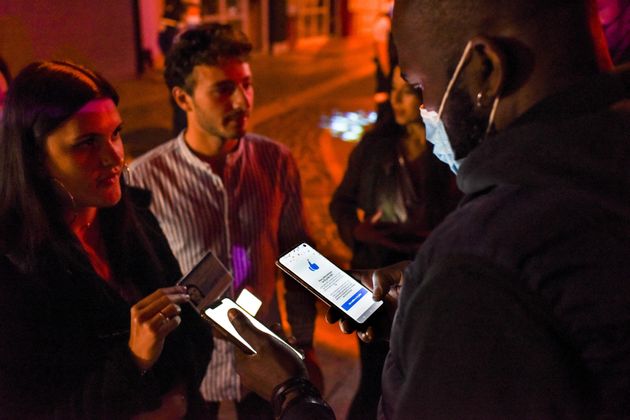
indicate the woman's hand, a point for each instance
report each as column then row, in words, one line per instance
column 374, row 232
column 152, row 320
column 401, row 237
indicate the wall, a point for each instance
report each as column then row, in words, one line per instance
column 94, row 33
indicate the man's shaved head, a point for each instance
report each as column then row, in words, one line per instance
column 455, row 21
column 448, row 24
column 522, row 50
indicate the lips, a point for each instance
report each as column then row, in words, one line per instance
column 238, row 120
column 238, row 116
column 109, row 178
column 400, row 114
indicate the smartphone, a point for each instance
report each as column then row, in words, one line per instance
column 206, row 282
column 217, row 313
column 248, row 301
column 329, row 282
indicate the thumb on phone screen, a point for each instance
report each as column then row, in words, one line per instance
column 246, row 329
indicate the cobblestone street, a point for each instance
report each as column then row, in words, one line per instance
column 293, row 92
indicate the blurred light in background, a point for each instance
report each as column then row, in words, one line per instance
column 348, row 126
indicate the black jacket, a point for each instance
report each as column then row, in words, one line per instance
column 518, row 306
column 375, row 179
column 64, row 349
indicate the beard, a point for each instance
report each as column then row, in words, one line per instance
column 465, row 124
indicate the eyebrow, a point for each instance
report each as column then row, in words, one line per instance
column 119, row 127
column 417, row 86
column 223, row 83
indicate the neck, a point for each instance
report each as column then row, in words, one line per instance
column 416, row 131
column 211, row 149
column 414, row 142
column 85, row 227
column 539, row 87
column 551, row 67
column 208, row 146
column 80, row 220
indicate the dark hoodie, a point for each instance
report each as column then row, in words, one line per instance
column 518, row 305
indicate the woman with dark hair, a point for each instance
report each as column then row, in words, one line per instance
column 401, row 192
column 93, row 326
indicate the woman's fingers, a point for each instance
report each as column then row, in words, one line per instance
column 165, row 325
column 152, row 320
column 166, row 303
column 178, row 293
column 166, row 315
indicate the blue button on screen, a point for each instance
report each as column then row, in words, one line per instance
column 354, row 299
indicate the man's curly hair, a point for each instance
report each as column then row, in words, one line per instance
column 208, row 44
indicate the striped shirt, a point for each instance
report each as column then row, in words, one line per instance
column 247, row 219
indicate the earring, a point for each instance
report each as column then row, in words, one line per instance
column 73, row 203
column 480, row 98
column 126, row 173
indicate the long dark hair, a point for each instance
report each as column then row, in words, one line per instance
column 42, row 97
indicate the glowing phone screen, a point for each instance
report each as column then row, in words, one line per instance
column 331, row 282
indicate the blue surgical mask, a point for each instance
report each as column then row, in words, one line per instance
column 436, row 135
column 436, row 132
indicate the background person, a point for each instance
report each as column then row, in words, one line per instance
column 92, row 326
column 5, row 80
column 615, row 18
column 178, row 16
column 404, row 191
column 219, row 188
column 385, row 57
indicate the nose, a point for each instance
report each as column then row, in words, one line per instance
column 396, row 96
column 112, row 152
column 242, row 98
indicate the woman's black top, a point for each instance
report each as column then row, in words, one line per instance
column 64, row 350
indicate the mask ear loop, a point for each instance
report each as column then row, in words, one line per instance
column 495, row 105
column 458, row 70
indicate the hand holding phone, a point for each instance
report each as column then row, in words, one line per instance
column 386, row 282
column 273, row 364
column 330, row 283
column 217, row 313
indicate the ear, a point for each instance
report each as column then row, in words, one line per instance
column 182, row 98
column 486, row 71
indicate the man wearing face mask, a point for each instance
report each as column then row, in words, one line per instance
column 518, row 304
